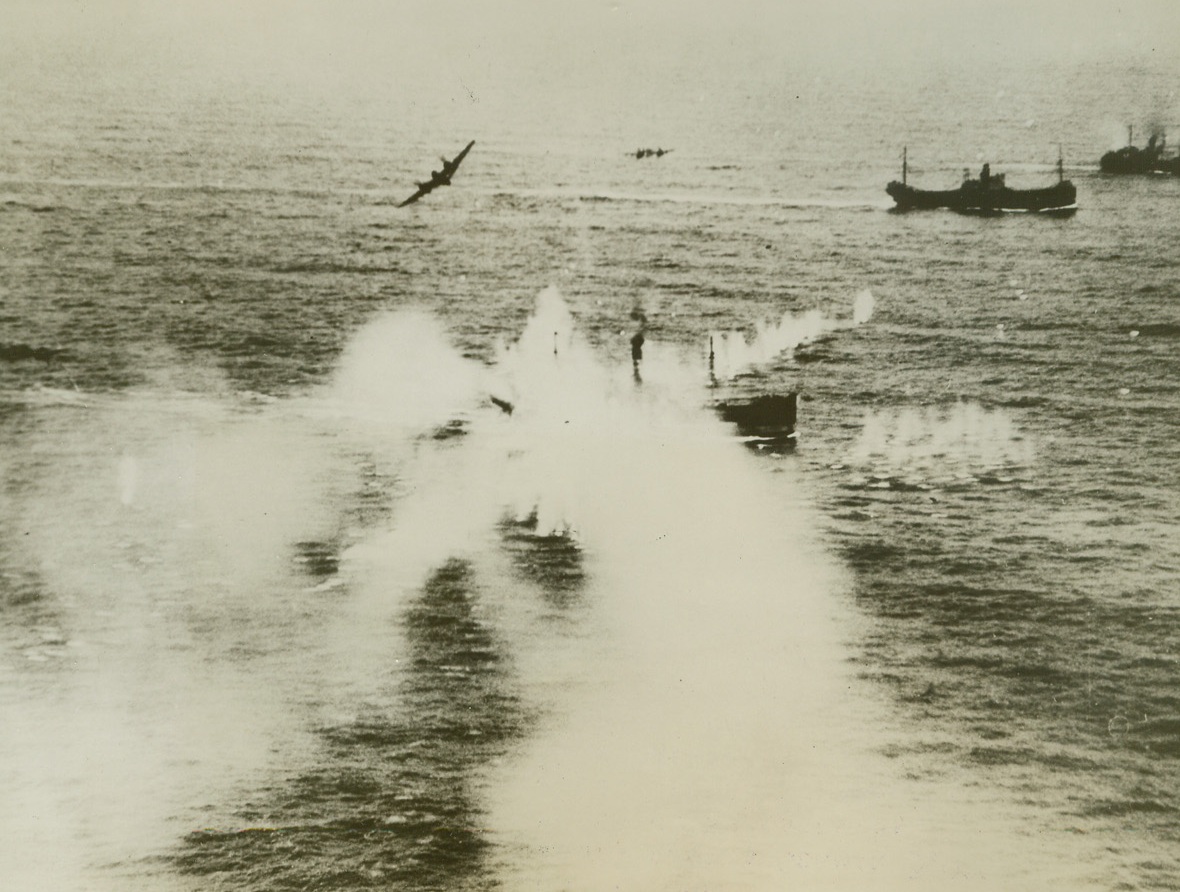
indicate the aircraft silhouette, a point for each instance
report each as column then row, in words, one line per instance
column 439, row 177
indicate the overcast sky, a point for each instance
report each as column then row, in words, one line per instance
column 335, row 41
column 573, row 66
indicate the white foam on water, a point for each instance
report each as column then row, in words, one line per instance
column 400, row 369
column 962, row 435
column 703, row 729
column 862, row 307
column 712, row 733
column 160, row 533
column 734, row 353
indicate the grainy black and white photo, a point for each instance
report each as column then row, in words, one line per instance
column 591, row 445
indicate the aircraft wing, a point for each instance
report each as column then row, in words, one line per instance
column 422, row 190
column 449, row 167
column 439, row 178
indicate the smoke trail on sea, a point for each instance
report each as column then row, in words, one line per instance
column 401, row 371
column 160, row 536
column 965, row 434
column 704, row 729
column 699, row 725
column 733, row 353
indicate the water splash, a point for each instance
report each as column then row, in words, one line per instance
column 711, row 734
column 965, row 435
column 699, row 724
column 705, row 729
column 732, row 353
column 862, row 307
column 400, row 370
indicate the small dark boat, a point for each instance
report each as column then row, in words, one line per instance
column 765, row 421
column 1152, row 158
column 987, row 195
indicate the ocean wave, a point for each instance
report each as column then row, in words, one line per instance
column 1125, row 807
column 330, row 267
column 36, row 205
column 22, row 352
column 1159, row 330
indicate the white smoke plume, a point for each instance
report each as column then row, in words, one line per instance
column 732, row 353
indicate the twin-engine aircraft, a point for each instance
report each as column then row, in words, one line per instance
column 439, row 177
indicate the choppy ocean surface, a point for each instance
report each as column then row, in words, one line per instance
column 286, row 602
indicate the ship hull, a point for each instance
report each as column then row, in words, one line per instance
column 1131, row 160
column 973, row 198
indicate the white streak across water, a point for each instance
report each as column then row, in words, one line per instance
column 705, row 730
column 732, row 353
column 699, row 724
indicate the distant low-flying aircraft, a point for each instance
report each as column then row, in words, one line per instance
column 439, row 177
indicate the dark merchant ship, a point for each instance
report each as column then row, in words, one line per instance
column 1152, row 158
column 987, row 195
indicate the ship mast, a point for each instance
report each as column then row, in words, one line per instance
column 903, row 164
column 1060, row 166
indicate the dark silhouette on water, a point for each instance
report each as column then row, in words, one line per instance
column 649, row 153
column 1152, row 158
column 439, row 177
column 987, row 195
column 637, row 346
column 637, row 340
column 765, row 422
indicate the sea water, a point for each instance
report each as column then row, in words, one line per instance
column 289, row 602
